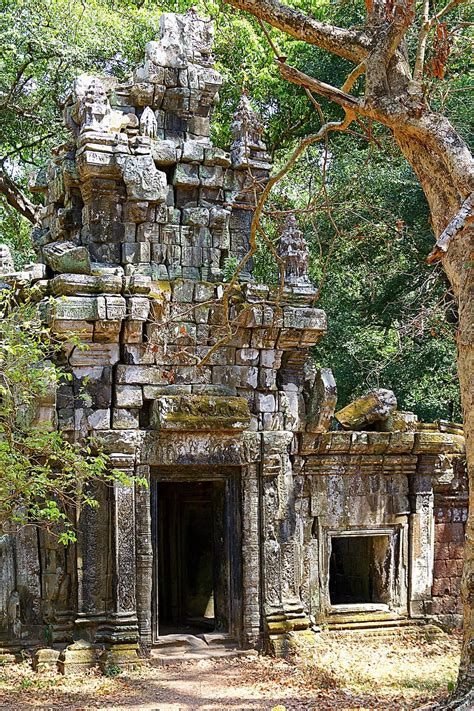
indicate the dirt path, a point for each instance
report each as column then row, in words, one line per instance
column 346, row 672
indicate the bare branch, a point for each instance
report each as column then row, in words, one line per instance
column 350, row 44
column 422, row 40
column 447, row 8
column 458, row 223
column 353, row 76
column 15, row 197
column 427, row 25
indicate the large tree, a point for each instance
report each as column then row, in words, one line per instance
column 394, row 96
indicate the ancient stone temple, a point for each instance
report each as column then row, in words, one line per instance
column 265, row 515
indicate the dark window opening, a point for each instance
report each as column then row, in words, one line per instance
column 359, row 570
column 144, row 415
column 192, row 558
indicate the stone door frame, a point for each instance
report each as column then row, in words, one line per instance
column 231, row 477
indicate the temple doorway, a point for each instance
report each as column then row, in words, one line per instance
column 192, row 557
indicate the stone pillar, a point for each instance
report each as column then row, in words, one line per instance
column 121, row 632
column 286, row 619
column 144, row 556
column 421, row 536
column 251, row 556
column 92, row 563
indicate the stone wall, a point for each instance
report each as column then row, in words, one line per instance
column 450, row 515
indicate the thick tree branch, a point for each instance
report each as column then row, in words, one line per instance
column 350, row 44
column 15, row 197
column 332, row 93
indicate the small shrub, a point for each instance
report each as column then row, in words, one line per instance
column 113, row 670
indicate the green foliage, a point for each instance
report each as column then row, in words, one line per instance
column 391, row 318
column 113, row 670
column 230, row 267
column 45, row 478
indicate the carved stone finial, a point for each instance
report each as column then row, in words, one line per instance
column 6, row 261
column 148, row 123
column 322, row 401
column 94, row 107
column 246, row 128
column 294, row 251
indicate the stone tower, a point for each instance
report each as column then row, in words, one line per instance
column 253, row 509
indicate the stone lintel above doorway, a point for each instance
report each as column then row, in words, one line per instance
column 203, row 448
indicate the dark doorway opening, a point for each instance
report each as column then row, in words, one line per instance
column 359, row 570
column 192, row 558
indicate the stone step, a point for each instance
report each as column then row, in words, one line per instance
column 370, row 624
column 216, row 638
column 179, row 656
column 180, row 641
column 411, row 628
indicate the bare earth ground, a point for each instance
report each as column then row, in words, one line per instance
column 347, row 671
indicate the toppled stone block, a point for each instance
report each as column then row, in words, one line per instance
column 375, row 406
column 200, row 412
column 77, row 657
column 67, row 257
column 45, row 659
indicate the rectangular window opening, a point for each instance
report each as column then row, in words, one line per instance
column 359, row 570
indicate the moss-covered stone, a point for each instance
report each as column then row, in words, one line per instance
column 200, row 412
column 376, row 405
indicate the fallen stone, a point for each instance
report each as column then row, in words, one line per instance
column 77, row 657
column 375, row 406
column 67, row 257
column 45, row 659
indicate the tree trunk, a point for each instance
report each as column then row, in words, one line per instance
column 445, row 169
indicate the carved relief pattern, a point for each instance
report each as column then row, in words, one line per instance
column 125, row 547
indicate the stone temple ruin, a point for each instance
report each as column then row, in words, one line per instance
column 265, row 514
